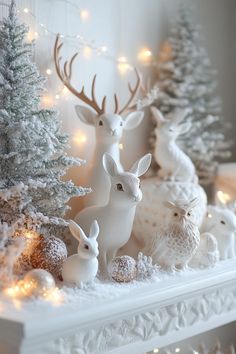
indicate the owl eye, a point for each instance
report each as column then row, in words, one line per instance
column 223, row 222
column 175, row 214
column 119, row 187
column 189, row 214
column 86, row 247
column 100, row 122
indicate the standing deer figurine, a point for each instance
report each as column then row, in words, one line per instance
column 173, row 162
column 108, row 126
column 116, row 218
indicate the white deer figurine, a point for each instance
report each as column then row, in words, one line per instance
column 108, row 127
column 116, row 217
column 174, row 163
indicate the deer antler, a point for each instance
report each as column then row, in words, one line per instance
column 65, row 75
column 133, row 91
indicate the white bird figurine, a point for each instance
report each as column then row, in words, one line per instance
column 176, row 245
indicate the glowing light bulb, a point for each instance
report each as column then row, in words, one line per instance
column 49, row 72
column 87, row 52
column 121, row 147
column 145, row 56
column 26, row 10
column 84, row 15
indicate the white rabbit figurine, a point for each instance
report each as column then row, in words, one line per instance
column 116, row 217
column 174, row 163
column 221, row 222
column 82, row 267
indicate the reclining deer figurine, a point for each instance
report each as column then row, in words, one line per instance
column 108, row 126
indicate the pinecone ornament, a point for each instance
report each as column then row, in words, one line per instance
column 177, row 244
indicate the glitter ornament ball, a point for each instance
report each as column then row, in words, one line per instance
column 49, row 254
column 38, row 282
column 123, row 269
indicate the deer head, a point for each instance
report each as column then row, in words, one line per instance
column 107, row 126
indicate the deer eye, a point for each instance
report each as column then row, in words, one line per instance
column 223, row 222
column 100, row 122
column 175, row 214
column 86, row 247
column 189, row 214
column 119, row 187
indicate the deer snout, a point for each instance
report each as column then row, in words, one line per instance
column 113, row 132
column 137, row 198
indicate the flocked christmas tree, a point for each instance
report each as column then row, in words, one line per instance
column 186, row 80
column 32, row 148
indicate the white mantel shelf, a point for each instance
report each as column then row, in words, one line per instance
column 136, row 321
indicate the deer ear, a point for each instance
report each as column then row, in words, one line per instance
column 94, row 229
column 110, row 165
column 77, row 231
column 158, row 116
column 132, row 120
column 142, row 165
column 86, row 114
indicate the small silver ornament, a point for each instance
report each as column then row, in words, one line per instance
column 38, row 282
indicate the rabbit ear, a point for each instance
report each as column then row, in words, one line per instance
column 110, row 165
column 77, row 231
column 94, row 230
column 158, row 115
column 184, row 128
column 169, row 205
column 180, row 115
column 142, row 165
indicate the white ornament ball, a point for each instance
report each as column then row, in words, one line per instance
column 38, row 282
column 151, row 215
column 123, row 269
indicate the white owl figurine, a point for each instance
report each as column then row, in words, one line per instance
column 221, row 222
column 176, row 245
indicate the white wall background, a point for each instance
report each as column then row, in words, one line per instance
column 124, row 26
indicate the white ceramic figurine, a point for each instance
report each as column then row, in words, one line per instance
column 174, row 163
column 175, row 246
column 82, row 267
column 108, row 127
column 116, row 217
column 221, row 222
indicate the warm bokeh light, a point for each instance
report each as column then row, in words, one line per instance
column 80, row 138
column 223, row 197
column 121, row 147
column 87, row 52
column 103, row 49
column 26, row 10
column 49, row 71
column 145, row 56
column 47, row 101
column 84, row 15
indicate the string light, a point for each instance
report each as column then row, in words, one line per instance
column 177, row 350
column 26, row 10
column 87, row 52
column 121, row 147
column 156, row 350
column 80, row 138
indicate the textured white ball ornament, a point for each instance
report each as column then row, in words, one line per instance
column 123, row 269
column 150, row 213
column 38, row 282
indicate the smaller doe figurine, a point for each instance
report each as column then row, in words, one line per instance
column 221, row 223
column 82, row 267
column 174, row 163
column 175, row 247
